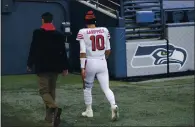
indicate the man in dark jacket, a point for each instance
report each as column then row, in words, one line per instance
column 48, row 56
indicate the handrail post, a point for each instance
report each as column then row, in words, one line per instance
column 121, row 9
column 118, row 17
column 97, row 5
column 162, row 19
column 167, row 40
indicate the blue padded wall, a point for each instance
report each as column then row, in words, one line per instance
column 117, row 60
column 17, row 32
column 7, row 6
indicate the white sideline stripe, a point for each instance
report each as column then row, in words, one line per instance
column 164, row 79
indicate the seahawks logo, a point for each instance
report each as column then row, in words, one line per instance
column 156, row 55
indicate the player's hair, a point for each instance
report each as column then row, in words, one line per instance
column 47, row 17
column 90, row 18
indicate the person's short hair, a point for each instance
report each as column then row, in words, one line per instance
column 47, row 17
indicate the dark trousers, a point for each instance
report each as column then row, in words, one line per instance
column 47, row 88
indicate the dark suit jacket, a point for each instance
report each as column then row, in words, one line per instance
column 47, row 52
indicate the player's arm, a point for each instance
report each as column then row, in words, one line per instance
column 80, row 38
column 108, row 48
column 83, row 60
column 82, row 54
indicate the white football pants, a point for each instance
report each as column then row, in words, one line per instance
column 98, row 68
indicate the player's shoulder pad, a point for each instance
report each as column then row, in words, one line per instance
column 82, row 30
column 105, row 29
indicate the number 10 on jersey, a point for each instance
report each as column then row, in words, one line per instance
column 97, row 42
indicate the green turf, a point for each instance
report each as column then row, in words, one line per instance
column 165, row 103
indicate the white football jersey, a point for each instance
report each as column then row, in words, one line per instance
column 94, row 41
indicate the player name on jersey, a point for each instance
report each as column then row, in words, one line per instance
column 95, row 31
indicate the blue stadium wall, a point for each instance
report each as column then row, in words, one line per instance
column 18, row 22
column 21, row 17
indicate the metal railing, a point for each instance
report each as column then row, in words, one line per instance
column 179, row 15
column 108, row 5
column 117, row 4
column 136, row 30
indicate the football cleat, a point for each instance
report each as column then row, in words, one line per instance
column 88, row 113
column 56, row 117
column 48, row 117
column 115, row 113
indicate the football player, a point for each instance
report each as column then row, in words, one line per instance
column 94, row 49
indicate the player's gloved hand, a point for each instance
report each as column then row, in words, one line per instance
column 65, row 72
column 28, row 69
